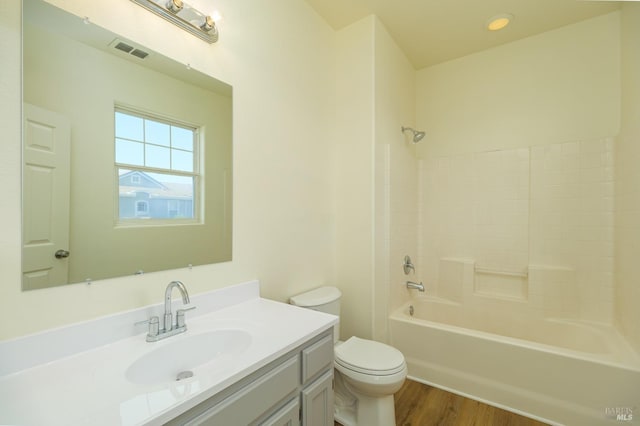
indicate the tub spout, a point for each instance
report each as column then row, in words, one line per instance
column 415, row 286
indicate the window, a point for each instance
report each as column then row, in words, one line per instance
column 142, row 207
column 156, row 167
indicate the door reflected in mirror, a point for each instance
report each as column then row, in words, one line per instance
column 127, row 156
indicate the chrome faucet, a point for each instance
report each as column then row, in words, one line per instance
column 170, row 329
column 415, row 286
column 407, row 266
column 168, row 317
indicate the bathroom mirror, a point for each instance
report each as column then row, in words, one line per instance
column 127, row 156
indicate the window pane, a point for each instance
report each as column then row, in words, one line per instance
column 156, row 156
column 182, row 138
column 181, row 160
column 177, row 197
column 128, row 152
column 157, row 133
column 129, row 127
column 144, row 144
column 160, row 196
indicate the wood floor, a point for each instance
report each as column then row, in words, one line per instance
column 422, row 405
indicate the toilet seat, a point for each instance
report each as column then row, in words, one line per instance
column 369, row 357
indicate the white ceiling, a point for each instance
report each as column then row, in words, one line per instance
column 434, row 31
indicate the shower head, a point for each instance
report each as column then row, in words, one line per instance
column 417, row 135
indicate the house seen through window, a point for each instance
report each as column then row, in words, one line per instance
column 157, row 168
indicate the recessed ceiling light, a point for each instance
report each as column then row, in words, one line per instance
column 498, row 22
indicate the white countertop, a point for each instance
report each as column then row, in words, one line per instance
column 90, row 387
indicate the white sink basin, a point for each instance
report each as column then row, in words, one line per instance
column 183, row 353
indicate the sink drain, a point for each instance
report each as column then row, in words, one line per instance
column 184, row 375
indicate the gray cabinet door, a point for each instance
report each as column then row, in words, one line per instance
column 317, row 402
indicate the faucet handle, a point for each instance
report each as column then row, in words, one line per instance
column 407, row 265
column 154, row 325
column 180, row 315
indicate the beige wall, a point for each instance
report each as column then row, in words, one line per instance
column 279, row 58
column 354, row 185
column 518, row 170
column 628, row 182
column 375, row 97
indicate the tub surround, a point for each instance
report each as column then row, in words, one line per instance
column 79, row 377
column 537, row 223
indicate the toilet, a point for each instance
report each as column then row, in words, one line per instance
column 367, row 373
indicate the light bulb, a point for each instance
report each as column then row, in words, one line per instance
column 208, row 23
column 498, row 22
column 174, row 6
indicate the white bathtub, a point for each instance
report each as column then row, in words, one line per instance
column 561, row 372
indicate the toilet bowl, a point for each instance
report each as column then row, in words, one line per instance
column 371, row 373
column 367, row 373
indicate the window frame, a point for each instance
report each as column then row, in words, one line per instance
column 197, row 174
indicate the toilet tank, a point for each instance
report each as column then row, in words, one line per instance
column 323, row 299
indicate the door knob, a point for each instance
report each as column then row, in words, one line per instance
column 61, row 254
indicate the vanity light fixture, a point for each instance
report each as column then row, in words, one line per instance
column 184, row 16
column 498, row 22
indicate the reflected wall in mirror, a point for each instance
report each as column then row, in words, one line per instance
column 91, row 211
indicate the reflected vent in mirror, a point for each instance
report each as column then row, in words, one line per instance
column 128, row 48
column 139, row 53
column 124, row 47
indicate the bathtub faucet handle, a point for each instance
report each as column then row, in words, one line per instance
column 415, row 286
column 408, row 265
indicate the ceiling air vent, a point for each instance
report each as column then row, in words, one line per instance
column 139, row 53
column 124, row 47
column 128, row 48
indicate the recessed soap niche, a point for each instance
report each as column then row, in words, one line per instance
column 501, row 283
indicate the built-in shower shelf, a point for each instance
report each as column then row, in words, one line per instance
column 502, row 283
column 494, row 271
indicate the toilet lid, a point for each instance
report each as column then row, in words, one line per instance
column 369, row 357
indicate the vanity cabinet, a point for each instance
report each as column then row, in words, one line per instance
column 294, row 390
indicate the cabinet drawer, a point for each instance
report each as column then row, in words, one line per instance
column 317, row 357
column 248, row 404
